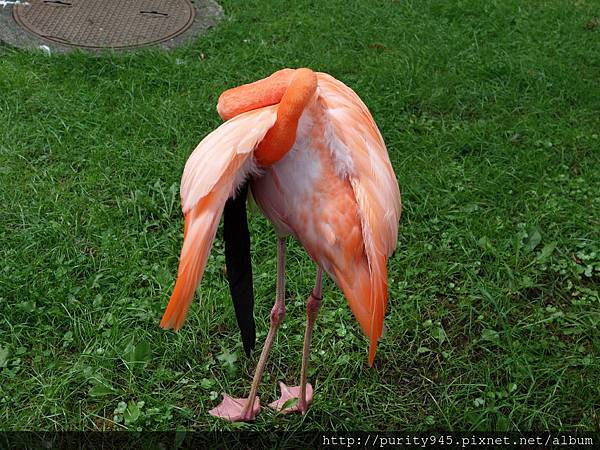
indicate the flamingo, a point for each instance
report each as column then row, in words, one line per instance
column 310, row 152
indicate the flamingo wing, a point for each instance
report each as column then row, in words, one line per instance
column 213, row 172
column 372, row 176
column 360, row 154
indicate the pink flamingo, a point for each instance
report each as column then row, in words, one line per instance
column 318, row 168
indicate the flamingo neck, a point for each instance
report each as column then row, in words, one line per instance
column 259, row 94
column 291, row 89
column 281, row 137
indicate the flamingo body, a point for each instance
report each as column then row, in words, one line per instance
column 318, row 169
column 308, row 194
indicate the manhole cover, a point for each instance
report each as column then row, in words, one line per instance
column 105, row 23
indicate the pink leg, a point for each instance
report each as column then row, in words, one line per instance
column 237, row 410
column 304, row 392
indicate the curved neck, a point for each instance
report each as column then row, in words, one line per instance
column 281, row 137
column 259, row 94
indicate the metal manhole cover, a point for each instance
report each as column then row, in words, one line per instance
column 105, row 23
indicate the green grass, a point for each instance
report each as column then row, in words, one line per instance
column 490, row 113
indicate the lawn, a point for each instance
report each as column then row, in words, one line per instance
column 491, row 114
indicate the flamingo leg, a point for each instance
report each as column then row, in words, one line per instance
column 304, row 392
column 240, row 409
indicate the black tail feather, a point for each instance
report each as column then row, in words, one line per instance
column 239, row 267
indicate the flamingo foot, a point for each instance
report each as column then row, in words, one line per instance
column 232, row 409
column 289, row 393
